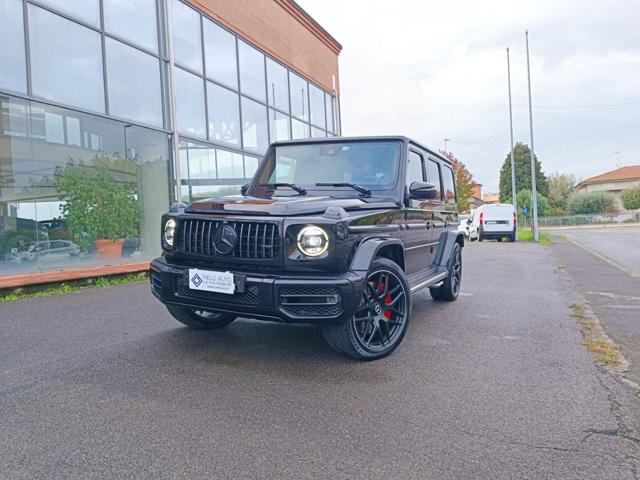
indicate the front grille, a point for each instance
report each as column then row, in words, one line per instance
column 156, row 283
column 255, row 240
column 311, row 301
column 251, row 296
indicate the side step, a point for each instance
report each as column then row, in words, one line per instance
column 418, row 282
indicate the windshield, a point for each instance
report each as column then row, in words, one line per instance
column 372, row 165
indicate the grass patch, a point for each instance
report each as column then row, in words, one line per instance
column 607, row 352
column 527, row 236
column 64, row 288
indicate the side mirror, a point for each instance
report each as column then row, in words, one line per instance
column 244, row 188
column 423, row 190
column 469, row 221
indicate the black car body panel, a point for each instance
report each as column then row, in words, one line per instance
column 417, row 234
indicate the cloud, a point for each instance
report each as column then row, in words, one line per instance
column 432, row 70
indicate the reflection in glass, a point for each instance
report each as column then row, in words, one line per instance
column 252, row 80
column 277, row 86
column 187, row 42
column 13, row 73
column 316, row 98
column 230, row 165
column 328, row 103
column 40, row 171
column 317, row 133
column 278, row 126
column 134, row 84
column 250, row 166
column 190, row 103
column 299, row 129
column 299, row 97
column 133, row 20
column 254, row 126
column 85, row 10
column 224, row 115
column 66, row 61
column 220, row 54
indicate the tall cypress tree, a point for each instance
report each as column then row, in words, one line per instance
column 522, row 155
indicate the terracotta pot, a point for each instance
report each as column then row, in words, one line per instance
column 109, row 248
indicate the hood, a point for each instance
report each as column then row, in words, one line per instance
column 285, row 206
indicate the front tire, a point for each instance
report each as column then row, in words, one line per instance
column 450, row 288
column 381, row 318
column 200, row 319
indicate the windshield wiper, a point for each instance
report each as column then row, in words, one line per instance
column 292, row 186
column 359, row 188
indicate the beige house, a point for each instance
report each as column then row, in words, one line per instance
column 613, row 182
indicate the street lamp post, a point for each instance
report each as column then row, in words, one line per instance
column 445, row 145
column 513, row 162
column 534, row 193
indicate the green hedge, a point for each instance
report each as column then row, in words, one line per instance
column 590, row 203
column 631, row 198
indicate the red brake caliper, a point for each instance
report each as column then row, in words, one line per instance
column 387, row 300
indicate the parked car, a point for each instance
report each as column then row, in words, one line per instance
column 338, row 232
column 495, row 221
column 467, row 227
column 46, row 250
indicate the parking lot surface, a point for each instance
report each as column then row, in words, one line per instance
column 104, row 384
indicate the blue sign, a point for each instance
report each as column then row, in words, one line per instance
column 525, row 209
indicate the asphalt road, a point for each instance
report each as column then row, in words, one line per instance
column 103, row 384
column 622, row 245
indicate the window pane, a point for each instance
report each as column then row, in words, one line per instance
column 13, row 74
column 201, row 161
column 134, row 84
column 299, row 97
column 278, row 126
column 224, row 115
column 299, row 129
column 86, row 10
column 316, row 97
column 190, row 103
column 134, row 20
column 254, row 126
column 317, row 132
column 250, row 165
column 229, row 165
column 277, row 86
column 66, row 60
column 187, row 42
column 448, row 185
column 433, row 176
column 328, row 104
column 220, row 54
column 251, row 71
column 414, row 168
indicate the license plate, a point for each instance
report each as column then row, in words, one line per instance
column 220, row 282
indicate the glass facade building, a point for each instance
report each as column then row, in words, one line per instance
column 86, row 87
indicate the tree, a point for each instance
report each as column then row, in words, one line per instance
column 560, row 187
column 631, row 198
column 589, row 203
column 464, row 181
column 522, row 160
column 523, row 198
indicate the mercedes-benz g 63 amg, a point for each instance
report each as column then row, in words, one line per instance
column 339, row 232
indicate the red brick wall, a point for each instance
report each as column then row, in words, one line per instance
column 281, row 29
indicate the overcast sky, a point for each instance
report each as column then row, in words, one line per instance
column 432, row 70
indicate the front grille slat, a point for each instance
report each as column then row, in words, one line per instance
column 255, row 240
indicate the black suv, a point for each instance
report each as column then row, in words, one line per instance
column 339, row 232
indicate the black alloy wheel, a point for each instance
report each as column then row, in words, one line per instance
column 200, row 319
column 381, row 318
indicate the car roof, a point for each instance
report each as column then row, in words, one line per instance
column 401, row 138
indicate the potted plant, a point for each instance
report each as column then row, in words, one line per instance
column 98, row 209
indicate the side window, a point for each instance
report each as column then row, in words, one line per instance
column 415, row 172
column 449, row 185
column 433, row 176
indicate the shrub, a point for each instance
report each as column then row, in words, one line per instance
column 589, row 203
column 631, row 198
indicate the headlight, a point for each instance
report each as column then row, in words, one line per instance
column 169, row 231
column 313, row 241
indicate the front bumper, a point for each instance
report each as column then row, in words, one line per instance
column 266, row 296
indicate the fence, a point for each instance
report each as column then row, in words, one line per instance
column 573, row 220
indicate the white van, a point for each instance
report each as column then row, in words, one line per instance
column 495, row 221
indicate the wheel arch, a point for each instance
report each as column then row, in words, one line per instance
column 378, row 247
column 447, row 240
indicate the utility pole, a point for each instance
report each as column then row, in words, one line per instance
column 534, row 193
column 445, row 145
column 513, row 161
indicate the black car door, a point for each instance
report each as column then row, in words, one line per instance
column 418, row 218
column 436, row 206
